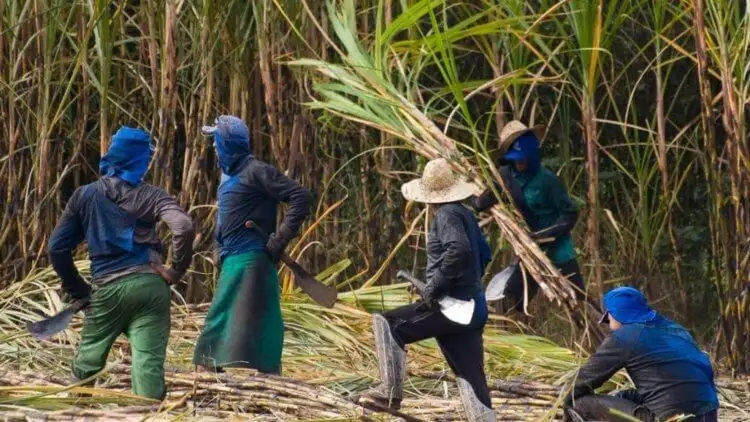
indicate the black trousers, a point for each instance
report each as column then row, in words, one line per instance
column 597, row 408
column 514, row 290
column 462, row 345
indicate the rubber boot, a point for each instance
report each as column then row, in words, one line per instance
column 391, row 365
column 475, row 410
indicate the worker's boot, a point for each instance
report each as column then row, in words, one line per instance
column 391, row 365
column 570, row 415
column 475, row 410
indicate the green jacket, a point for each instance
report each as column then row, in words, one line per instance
column 552, row 213
column 546, row 206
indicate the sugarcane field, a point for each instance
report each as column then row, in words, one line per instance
column 377, row 210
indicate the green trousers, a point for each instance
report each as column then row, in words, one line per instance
column 244, row 326
column 137, row 306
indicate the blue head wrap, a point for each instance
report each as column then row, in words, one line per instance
column 526, row 147
column 627, row 305
column 129, row 155
column 232, row 142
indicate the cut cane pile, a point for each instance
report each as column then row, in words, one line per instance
column 260, row 397
column 328, row 356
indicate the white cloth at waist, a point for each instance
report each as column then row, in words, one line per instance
column 457, row 310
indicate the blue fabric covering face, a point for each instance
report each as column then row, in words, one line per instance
column 232, row 142
column 129, row 155
column 526, row 147
column 628, row 306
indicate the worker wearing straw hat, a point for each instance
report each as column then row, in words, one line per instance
column 544, row 203
column 453, row 308
column 117, row 216
column 672, row 376
column 244, row 326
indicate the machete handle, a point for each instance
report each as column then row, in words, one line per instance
column 81, row 304
column 319, row 292
column 283, row 256
column 419, row 284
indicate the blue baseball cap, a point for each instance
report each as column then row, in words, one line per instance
column 627, row 305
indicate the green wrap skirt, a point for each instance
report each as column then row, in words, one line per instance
column 244, row 327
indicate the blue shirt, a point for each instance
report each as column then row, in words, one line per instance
column 669, row 370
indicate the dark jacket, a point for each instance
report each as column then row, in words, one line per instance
column 670, row 372
column 456, row 252
column 117, row 221
column 253, row 194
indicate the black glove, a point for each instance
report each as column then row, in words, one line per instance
column 170, row 275
column 435, row 289
column 75, row 290
column 277, row 241
column 430, row 293
column 275, row 246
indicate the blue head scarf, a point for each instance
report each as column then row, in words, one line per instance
column 129, row 155
column 526, row 147
column 628, row 306
column 232, row 142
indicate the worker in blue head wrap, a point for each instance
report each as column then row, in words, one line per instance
column 672, row 376
column 544, row 203
column 128, row 156
column 116, row 216
column 244, row 327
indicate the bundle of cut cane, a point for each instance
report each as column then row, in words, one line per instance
column 360, row 90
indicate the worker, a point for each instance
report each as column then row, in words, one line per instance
column 544, row 203
column 453, row 308
column 116, row 216
column 672, row 376
column 244, row 326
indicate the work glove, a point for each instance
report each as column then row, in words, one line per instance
column 75, row 290
column 275, row 246
column 435, row 289
column 278, row 241
column 170, row 275
column 429, row 295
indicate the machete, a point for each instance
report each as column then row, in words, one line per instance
column 46, row 328
column 418, row 284
column 319, row 292
column 496, row 288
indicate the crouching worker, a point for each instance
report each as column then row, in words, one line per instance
column 544, row 203
column 672, row 376
column 244, row 326
column 116, row 216
column 453, row 308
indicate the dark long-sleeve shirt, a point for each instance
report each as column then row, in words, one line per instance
column 118, row 222
column 670, row 372
column 456, row 252
column 253, row 194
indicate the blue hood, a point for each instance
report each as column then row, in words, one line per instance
column 232, row 142
column 628, row 306
column 129, row 155
column 526, row 147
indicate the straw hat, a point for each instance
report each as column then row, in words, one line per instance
column 513, row 130
column 438, row 185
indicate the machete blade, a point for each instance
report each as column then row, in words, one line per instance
column 46, row 328
column 496, row 288
column 319, row 292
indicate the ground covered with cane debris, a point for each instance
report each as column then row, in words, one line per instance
column 327, row 357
